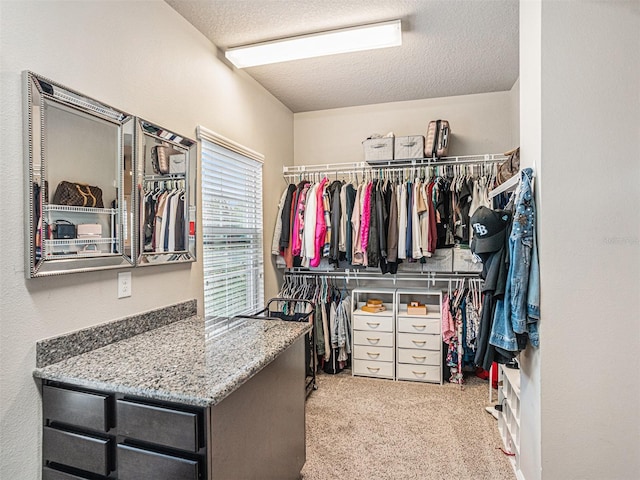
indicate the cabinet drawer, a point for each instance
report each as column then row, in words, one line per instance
column 81, row 409
column 421, row 373
column 419, row 325
column 137, row 464
column 373, row 323
column 51, row 474
column 419, row 357
column 91, row 454
column 373, row 369
column 381, row 354
column 423, row 342
column 159, row 425
column 375, row 339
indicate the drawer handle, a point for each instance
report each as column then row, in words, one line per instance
column 373, row 340
column 373, row 324
column 419, row 327
column 373, row 369
column 422, row 374
column 373, row 354
column 419, row 342
column 418, row 357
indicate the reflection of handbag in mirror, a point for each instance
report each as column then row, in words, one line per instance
column 160, row 159
column 78, row 195
column 63, row 230
column 89, row 230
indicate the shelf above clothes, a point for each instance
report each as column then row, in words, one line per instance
column 289, row 171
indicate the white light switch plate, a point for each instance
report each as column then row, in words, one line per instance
column 124, row 284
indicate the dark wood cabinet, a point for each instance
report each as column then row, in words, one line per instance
column 137, row 463
column 90, row 434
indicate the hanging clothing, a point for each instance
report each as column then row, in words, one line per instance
column 351, row 193
column 357, row 257
column 402, row 221
column 277, row 231
column 285, row 231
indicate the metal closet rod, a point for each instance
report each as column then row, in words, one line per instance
column 390, row 165
column 355, row 275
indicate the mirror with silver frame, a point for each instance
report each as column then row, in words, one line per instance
column 80, row 186
column 166, row 196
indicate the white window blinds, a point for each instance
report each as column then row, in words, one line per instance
column 232, row 230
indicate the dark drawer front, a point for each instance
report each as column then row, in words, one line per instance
column 88, row 410
column 138, row 464
column 159, row 425
column 79, row 451
column 51, row 474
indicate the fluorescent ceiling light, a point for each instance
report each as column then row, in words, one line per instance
column 353, row 39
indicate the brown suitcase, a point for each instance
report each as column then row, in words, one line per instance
column 436, row 144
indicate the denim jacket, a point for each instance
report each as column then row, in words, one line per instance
column 511, row 316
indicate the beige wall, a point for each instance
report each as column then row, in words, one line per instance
column 590, row 247
column 581, row 387
column 480, row 123
column 144, row 58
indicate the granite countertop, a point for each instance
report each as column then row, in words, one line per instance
column 179, row 362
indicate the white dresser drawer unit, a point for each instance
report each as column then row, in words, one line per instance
column 418, row 336
column 373, row 369
column 380, row 354
column 374, row 339
column 419, row 325
column 373, row 323
column 418, row 357
column 419, row 341
column 374, row 353
column 419, row 373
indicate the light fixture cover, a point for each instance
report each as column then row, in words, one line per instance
column 352, row 39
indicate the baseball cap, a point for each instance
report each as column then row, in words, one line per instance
column 489, row 229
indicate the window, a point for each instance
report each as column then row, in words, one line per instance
column 232, row 229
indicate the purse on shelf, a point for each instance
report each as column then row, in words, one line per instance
column 63, row 230
column 510, row 167
column 160, row 159
column 78, row 195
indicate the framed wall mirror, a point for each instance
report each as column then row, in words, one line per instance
column 80, row 181
column 166, row 196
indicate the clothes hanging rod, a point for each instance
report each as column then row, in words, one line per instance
column 357, row 167
column 355, row 275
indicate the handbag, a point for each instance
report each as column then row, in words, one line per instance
column 78, row 195
column 510, row 167
column 63, row 230
column 160, row 159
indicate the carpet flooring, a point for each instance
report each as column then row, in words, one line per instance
column 363, row 429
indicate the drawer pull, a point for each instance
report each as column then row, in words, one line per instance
column 419, row 342
column 373, row 324
column 373, row 369
column 373, row 340
column 418, row 357
column 373, row 354
column 422, row 374
column 419, row 327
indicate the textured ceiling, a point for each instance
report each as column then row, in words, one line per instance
column 450, row 47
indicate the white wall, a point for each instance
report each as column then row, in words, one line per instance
column 514, row 103
column 581, row 66
column 530, row 137
column 144, row 58
column 480, row 124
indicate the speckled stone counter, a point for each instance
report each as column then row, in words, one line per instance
column 179, row 362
